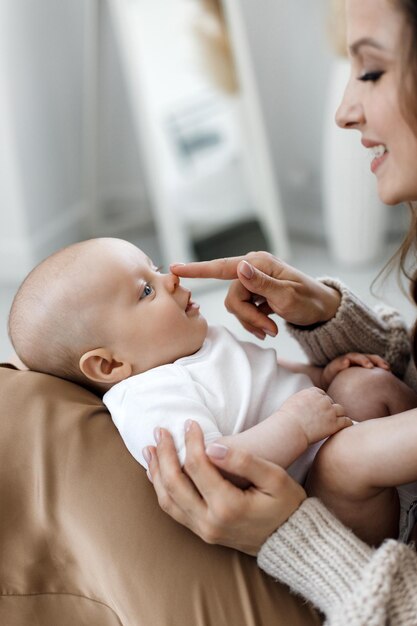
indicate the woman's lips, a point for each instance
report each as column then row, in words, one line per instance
column 377, row 161
column 378, row 151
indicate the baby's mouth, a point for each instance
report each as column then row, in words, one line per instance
column 191, row 305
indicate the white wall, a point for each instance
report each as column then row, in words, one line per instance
column 42, row 55
column 120, row 173
column 292, row 58
column 41, row 142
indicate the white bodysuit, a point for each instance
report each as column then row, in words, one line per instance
column 227, row 387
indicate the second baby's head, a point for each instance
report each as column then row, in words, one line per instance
column 99, row 311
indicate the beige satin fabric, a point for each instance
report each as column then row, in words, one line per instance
column 83, row 541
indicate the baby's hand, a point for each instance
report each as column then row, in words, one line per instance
column 315, row 414
column 345, row 361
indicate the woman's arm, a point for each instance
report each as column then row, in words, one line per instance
column 263, row 284
column 311, row 551
column 355, row 327
column 217, row 511
column 351, row 583
column 325, row 317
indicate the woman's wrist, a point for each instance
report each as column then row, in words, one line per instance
column 331, row 302
column 327, row 304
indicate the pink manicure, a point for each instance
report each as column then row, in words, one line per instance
column 246, row 269
column 188, row 425
column 147, row 455
column 217, row 450
column 157, row 434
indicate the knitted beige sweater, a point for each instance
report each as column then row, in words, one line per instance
column 318, row 557
column 352, row 584
column 357, row 328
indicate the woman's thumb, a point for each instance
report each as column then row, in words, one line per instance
column 254, row 280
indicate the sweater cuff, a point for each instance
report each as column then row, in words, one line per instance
column 356, row 327
column 315, row 555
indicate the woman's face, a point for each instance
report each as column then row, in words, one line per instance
column 371, row 103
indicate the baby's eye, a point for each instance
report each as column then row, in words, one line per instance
column 373, row 77
column 147, row 291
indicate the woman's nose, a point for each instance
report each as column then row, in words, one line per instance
column 350, row 113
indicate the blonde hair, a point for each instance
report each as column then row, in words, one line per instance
column 408, row 103
column 337, row 27
column 212, row 36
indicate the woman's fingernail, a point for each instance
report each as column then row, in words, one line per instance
column 148, row 474
column 271, row 333
column 147, row 455
column 187, row 425
column 157, row 434
column 176, row 264
column 217, row 450
column 246, row 269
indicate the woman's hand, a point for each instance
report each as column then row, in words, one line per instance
column 267, row 285
column 217, row 511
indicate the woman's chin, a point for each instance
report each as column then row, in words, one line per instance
column 392, row 194
column 389, row 196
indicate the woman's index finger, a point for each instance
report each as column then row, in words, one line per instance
column 223, row 269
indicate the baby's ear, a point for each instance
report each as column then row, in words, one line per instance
column 99, row 366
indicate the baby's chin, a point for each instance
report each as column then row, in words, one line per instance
column 205, row 328
column 200, row 335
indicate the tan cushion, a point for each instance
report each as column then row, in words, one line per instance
column 83, row 540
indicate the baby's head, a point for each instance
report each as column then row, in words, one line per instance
column 99, row 311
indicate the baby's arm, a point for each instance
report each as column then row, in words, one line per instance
column 323, row 376
column 308, row 416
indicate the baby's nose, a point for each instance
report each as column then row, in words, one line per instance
column 171, row 282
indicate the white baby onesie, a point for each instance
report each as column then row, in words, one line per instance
column 227, row 387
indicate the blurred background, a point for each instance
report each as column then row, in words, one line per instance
column 193, row 128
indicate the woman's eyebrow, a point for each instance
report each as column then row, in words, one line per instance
column 365, row 41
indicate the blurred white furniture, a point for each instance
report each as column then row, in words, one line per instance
column 173, row 201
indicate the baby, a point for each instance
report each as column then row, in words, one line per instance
column 101, row 314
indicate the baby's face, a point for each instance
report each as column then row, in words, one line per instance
column 148, row 318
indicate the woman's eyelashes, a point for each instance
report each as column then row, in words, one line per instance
column 370, row 76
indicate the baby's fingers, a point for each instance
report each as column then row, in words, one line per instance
column 365, row 360
column 339, row 410
column 343, row 422
column 378, row 361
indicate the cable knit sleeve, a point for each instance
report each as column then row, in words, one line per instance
column 348, row 581
column 358, row 328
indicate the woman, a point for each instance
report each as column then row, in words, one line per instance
column 311, row 551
